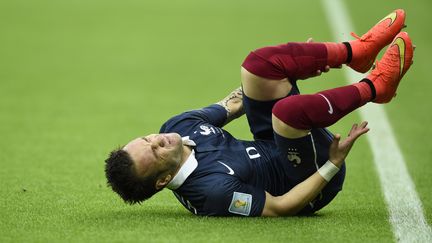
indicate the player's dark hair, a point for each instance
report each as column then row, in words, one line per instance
column 123, row 179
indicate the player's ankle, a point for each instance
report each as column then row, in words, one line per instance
column 337, row 54
column 366, row 89
column 349, row 52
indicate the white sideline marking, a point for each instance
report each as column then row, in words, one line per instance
column 404, row 206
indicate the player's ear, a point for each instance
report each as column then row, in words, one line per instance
column 163, row 181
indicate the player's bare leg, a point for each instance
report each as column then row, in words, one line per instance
column 263, row 89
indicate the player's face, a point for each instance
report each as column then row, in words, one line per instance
column 155, row 152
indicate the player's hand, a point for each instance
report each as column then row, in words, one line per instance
column 319, row 72
column 233, row 104
column 339, row 149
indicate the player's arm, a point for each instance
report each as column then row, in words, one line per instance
column 298, row 197
column 218, row 114
column 233, row 105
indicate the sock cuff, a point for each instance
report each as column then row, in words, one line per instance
column 372, row 87
column 349, row 51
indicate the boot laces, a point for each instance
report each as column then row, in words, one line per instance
column 364, row 37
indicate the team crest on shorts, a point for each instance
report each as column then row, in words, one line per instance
column 294, row 157
column 241, row 203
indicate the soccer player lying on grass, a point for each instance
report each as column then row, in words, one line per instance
column 294, row 165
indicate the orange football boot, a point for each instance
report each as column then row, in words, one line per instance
column 391, row 68
column 366, row 48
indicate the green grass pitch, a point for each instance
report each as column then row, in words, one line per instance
column 78, row 78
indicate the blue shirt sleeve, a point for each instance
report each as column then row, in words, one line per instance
column 232, row 197
column 214, row 114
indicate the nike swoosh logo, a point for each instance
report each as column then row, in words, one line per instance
column 330, row 111
column 231, row 172
column 391, row 16
column 400, row 43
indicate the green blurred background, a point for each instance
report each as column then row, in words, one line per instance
column 78, row 78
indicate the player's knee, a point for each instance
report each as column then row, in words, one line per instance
column 285, row 109
column 263, row 62
column 290, row 111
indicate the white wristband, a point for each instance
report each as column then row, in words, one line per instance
column 328, row 170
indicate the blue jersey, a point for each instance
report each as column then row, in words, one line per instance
column 232, row 175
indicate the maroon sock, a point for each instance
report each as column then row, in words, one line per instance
column 337, row 54
column 293, row 61
column 366, row 89
column 318, row 110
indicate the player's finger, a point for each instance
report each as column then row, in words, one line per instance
column 353, row 128
column 327, row 68
column 360, row 130
column 363, row 124
column 310, row 40
column 335, row 143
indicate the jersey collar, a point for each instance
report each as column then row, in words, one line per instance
column 187, row 168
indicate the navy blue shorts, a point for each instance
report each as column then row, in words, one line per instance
column 303, row 155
